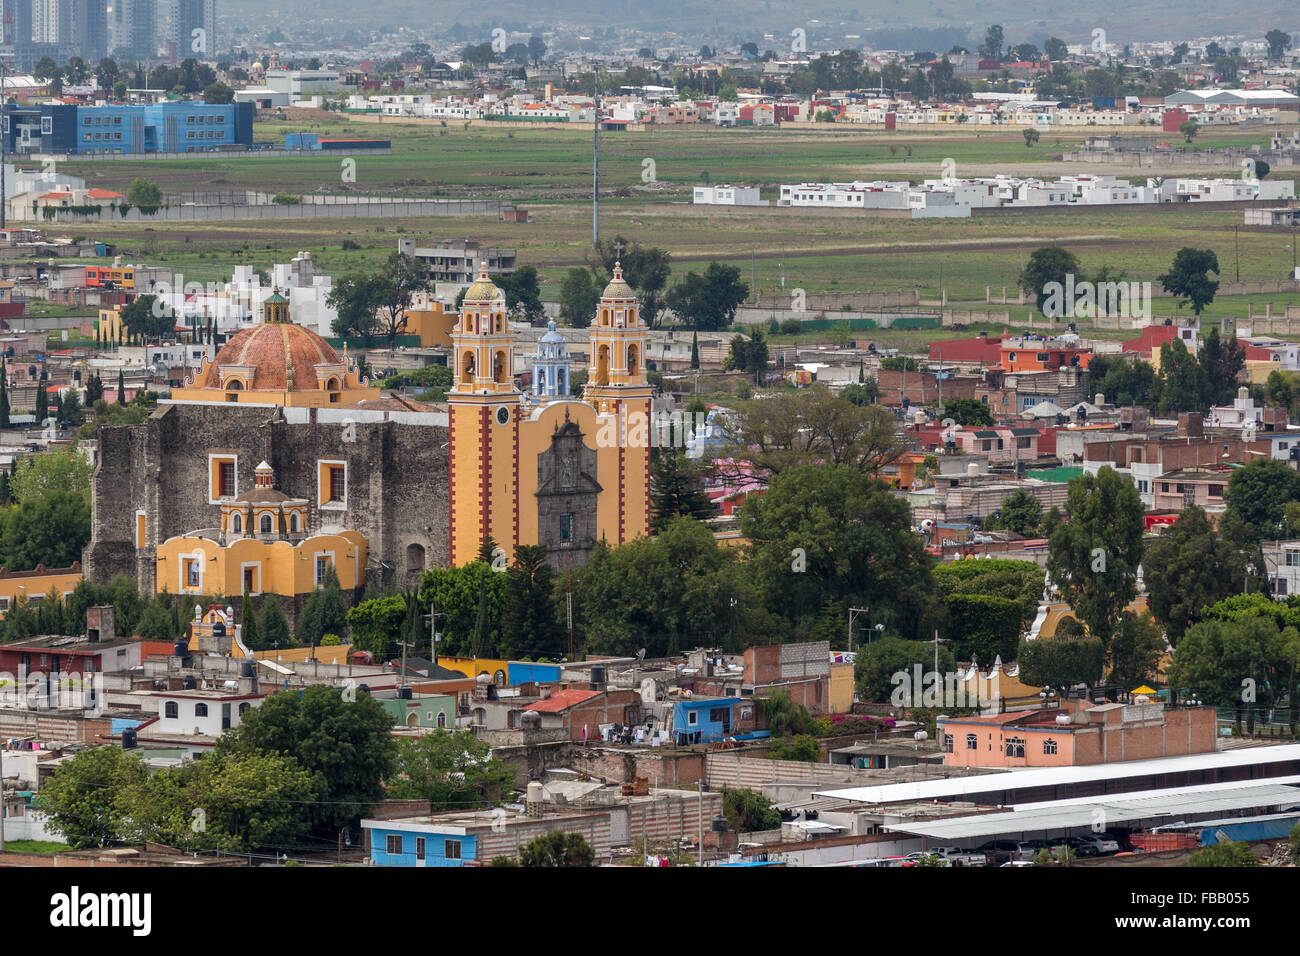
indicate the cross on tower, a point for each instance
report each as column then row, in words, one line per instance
column 618, row 249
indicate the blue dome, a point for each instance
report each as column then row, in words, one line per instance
column 552, row 335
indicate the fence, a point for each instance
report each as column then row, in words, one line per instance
column 333, row 154
column 360, row 209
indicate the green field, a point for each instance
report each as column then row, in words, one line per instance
column 548, row 171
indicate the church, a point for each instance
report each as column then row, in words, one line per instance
column 276, row 459
column 540, row 466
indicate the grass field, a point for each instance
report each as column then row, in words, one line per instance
column 548, row 170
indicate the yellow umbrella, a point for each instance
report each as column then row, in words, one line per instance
column 1144, row 689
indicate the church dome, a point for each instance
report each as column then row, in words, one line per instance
column 618, row 288
column 271, row 350
column 483, row 290
column 552, row 336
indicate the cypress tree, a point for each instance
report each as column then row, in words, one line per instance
column 695, row 350
column 121, row 388
column 4, row 395
column 249, row 631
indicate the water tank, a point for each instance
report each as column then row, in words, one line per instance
column 181, row 649
column 248, row 668
column 1099, row 399
column 128, row 738
column 720, row 825
column 1062, row 719
column 1243, row 392
column 598, row 674
column 188, row 683
column 404, row 693
column 230, row 684
column 972, row 470
column 364, row 688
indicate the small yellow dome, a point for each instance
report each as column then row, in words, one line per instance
column 483, row 289
column 618, row 288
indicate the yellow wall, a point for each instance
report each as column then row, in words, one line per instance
column 298, row 398
column 285, row 569
column 841, row 689
column 20, row 584
column 110, row 324
column 432, row 325
column 473, row 666
column 1257, row 370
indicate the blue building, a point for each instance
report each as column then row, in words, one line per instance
column 168, row 127
column 527, row 672
column 708, row 719
column 410, row 843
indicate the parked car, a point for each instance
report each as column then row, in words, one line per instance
column 956, row 856
column 1103, row 843
column 918, row 857
column 999, row 851
column 1079, row 845
column 1026, row 850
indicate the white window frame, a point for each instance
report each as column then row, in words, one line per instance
column 315, row 567
column 388, row 844
column 244, row 567
column 182, row 586
column 224, row 457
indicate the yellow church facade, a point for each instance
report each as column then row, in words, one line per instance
column 541, row 467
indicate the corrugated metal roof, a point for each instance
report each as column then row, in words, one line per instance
column 1054, row 776
column 1066, row 815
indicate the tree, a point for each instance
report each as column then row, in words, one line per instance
column 529, row 624
column 695, row 349
column 247, row 801
column 1031, row 137
column 1124, row 381
column 748, row 354
column 880, row 669
column 1279, row 41
column 144, row 319
column 121, row 388
column 1257, row 495
column 1216, row 658
column 353, row 300
column 810, row 530
column 84, row 798
column 218, row 93
column 1189, row 568
column 392, row 291
column 784, row 717
column 984, row 627
column 273, row 624
column 1189, row 277
column 708, row 302
column 748, row 812
column 991, row 48
column 94, row 386
column 967, row 411
column 451, row 769
column 158, row 622
column 4, row 395
column 1093, row 555
column 346, row 744
column 801, row 747
column 1189, row 128
column 471, row 598
column 325, row 611
column 557, row 848
column 1062, row 661
column 1224, row 854
column 676, row 489
column 1221, row 364
column 1055, row 49
column 579, row 298
column 536, row 48
column 523, row 294
column 1048, row 265
column 376, row 625
column 1135, row 651
column 1021, row 513
column 145, row 196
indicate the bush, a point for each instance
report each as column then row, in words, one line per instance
column 1224, row 854
column 747, row 811
column 791, row 326
column 800, row 747
column 349, row 244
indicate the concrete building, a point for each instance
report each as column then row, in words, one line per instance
column 727, row 196
column 460, row 260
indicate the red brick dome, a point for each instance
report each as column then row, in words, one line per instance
column 270, row 349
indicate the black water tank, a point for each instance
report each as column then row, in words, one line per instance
column 720, row 825
column 598, row 674
column 128, row 738
column 188, row 683
column 404, row 693
column 247, row 669
column 181, row 649
column 364, row 688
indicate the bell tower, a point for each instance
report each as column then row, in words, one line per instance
column 619, row 391
column 483, row 413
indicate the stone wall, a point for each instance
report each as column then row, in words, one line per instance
column 396, row 483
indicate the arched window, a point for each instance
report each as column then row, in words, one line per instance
column 244, row 706
column 265, row 523
column 467, row 368
column 200, row 710
column 499, row 678
column 236, row 523
column 499, row 371
column 442, row 718
column 631, row 360
column 293, row 522
column 415, row 557
column 972, row 742
column 332, row 385
column 171, row 710
column 602, row 365
column 1049, row 747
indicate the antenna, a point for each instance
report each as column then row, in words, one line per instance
column 595, row 156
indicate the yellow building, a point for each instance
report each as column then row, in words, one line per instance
column 432, row 321
column 32, row 586
column 262, row 545
column 277, row 363
column 544, row 468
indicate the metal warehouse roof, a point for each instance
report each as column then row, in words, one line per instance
column 1065, row 815
column 999, row 780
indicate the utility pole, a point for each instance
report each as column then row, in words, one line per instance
column 1236, row 246
column 595, row 158
column 853, row 612
column 699, row 847
column 2, row 798
column 4, row 196
column 432, row 618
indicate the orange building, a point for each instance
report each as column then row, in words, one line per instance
column 542, row 467
column 277, row 363
column 1039, row 354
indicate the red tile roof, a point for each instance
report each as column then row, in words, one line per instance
column 563, row 700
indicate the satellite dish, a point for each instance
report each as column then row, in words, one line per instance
column 948, row 423
column 640, row 654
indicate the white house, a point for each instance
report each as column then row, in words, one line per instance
column 727, row 195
